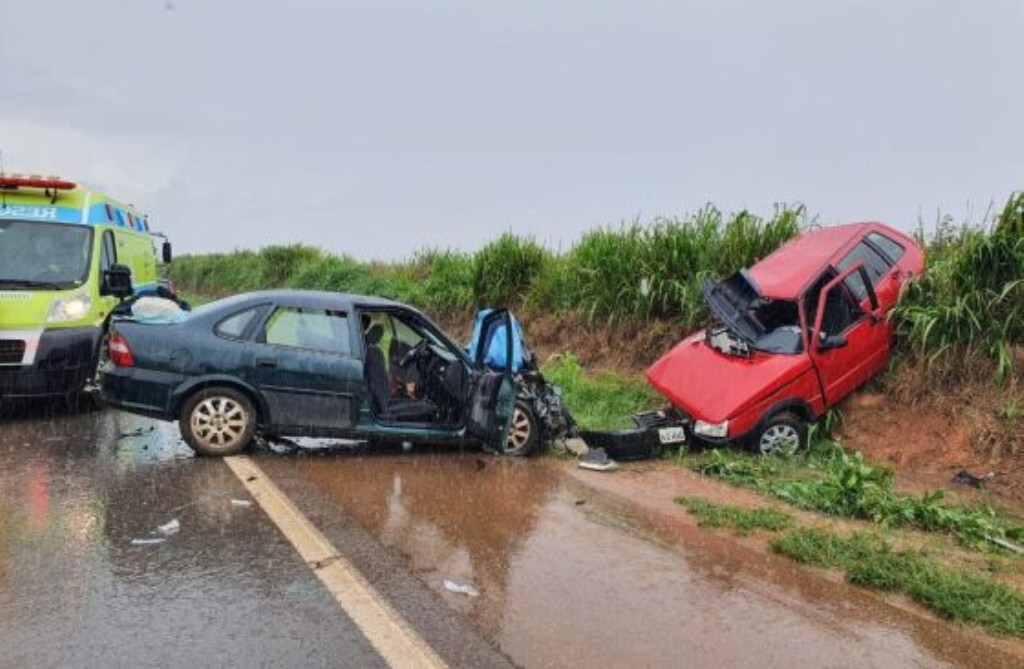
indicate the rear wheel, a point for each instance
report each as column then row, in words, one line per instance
column 218, row 421
column 784, row 432
column 524, row 431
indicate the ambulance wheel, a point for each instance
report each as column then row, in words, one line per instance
column 218, row 421
column 524, row 433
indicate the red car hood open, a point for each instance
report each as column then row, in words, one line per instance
column 712, row 386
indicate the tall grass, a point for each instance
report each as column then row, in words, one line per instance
column 633, row 272
column 971, row 299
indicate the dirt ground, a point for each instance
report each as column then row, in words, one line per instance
column 926, row 437
column 927, row 447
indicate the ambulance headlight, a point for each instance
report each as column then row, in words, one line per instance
column 69, row 308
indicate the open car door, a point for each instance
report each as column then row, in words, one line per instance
column 492, row 392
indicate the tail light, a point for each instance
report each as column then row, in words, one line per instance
column 119, row 351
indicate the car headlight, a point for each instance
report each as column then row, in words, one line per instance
column 716, row 430
column 69, row 308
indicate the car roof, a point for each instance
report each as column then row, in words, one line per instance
column 323, row 298
column 784, row 274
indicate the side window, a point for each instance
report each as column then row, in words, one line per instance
column 874, row 263
column 888, row 247
column 234, row 327
column 316, row 329
column 108, row 251
column 840, row 311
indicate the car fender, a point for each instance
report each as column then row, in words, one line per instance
column 801, row 394
column 190, row 386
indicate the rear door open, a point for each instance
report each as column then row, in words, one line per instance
column 492, row 395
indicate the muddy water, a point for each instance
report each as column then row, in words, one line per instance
column 226, row 590
column 566, row 575
column 567, row 579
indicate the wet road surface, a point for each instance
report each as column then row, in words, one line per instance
column 566, row 576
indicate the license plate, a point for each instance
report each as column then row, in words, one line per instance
column 672, row 435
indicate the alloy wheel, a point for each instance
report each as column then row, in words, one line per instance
column 782, row 438
column 219, row 422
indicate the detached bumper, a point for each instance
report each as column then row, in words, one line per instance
column 48, row 362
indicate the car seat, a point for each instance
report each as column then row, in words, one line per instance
column 386, row 407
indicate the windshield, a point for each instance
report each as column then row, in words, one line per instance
column 43, row 255
column 767, row 325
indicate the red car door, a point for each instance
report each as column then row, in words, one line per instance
column 848, row 344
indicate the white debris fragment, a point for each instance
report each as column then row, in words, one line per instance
column 148, row 541
column 241, row 502
column 169, row 528
column 461, row 589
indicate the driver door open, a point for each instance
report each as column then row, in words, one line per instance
column 492, row 395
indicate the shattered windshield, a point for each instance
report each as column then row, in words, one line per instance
column 43, row 255
column 772, row 326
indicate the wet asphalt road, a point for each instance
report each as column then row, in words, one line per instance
column 566, row 578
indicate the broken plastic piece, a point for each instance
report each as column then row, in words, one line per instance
column 148, row 541
column 966, row 478
column 462, row 589
column 241, row 502
column 596, row 459
column 170, row 527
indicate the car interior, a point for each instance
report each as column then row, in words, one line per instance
column 419, row 379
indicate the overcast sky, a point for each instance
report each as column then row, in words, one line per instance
column 377, row 128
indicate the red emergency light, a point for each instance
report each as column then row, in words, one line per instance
column 13, row 181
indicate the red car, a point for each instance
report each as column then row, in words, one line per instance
column 796, row 333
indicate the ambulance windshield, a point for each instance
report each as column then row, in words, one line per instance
column 51, row 256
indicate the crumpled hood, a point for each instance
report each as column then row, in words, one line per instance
column 714, row 387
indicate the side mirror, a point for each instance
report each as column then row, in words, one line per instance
column 829, row 342
column 166, row 253
column 117, row 281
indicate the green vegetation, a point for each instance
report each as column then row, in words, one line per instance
column 869, row 561
column 829, row 480
column 971, row 299
column 630, row 272
column 743, row 521
column 600, row 401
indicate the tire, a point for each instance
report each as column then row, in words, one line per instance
column 524, row 433
column 783, row 432
column 218, row 421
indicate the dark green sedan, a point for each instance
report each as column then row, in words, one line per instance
column 305, row 363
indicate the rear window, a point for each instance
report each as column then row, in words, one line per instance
column 874, row 263
column 888, row 247
column 234, row 326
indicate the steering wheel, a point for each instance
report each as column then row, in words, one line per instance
column 413, row 353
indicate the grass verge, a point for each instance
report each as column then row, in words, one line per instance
column 827, row 479
column 742, row 521
column 869, row 561
column 601, row 401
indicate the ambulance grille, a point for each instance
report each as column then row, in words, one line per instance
column 11, row 351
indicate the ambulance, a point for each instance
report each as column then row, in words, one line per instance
column 68, row 256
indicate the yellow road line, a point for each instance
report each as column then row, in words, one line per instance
column 390, row 635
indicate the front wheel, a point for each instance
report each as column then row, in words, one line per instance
column 524, row 432
column 218, row 421
column 784, row 432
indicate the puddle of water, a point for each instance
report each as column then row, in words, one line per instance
column 563, row 584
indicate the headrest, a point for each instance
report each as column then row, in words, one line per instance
column 374, row 334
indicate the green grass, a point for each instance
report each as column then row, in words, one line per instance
column 869, row 561
column 743, row 521
column 972, row 296
column 631, row 272
column 605, row 400
column 827, row 479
